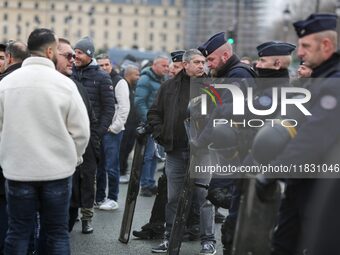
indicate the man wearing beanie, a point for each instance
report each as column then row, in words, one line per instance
column 98, row 85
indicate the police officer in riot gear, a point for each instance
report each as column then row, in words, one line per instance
column 223, row 63
column 313, row 142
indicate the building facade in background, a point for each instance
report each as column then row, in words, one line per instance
column 246, row 20
column 145, row 24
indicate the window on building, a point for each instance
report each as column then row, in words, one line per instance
column 80, row 8
column 5, row 4
column 52, row 19
column 119, row 23
column 106, row 22
column 52, row 6
column 79, row 20
column 152, row 11
column 36, row 5
column 179, row 13
column 19, row 18
column 107, row 9
column 120, row 10
column 4, row 30
column 65, row 32
column 18, row 30
column 92, row 33
column 163, row 48
column 106, row 34
column 92, row 21
column 66, row 7
column 135, row 23
column 165, row 12
column 150, row 37
column 178, row 38
column 19, row 5
column 79, row 33
column 152, row 24
column 165, row 24
column 178, row 25
column 136, row 11
column 5, row 16
column 119, row 35
column 135, row 36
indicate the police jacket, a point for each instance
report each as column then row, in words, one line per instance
column 169, row 111
column 98, row 85
column 263, row 95
column 233, row 71
column 320, row 131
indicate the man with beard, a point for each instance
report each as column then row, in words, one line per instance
column 98, row 85
column 223, row 63
column 50, row 145
column 314, row 142
column 83, row 190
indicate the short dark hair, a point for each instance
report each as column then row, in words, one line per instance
column 18, row 50
column 102, row 56
column 40, row 38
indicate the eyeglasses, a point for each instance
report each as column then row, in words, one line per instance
column 68, row 56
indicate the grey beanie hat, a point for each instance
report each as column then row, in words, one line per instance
column 85, row 45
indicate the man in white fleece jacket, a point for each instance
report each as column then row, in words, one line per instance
column 109, row 162
column 44, row 130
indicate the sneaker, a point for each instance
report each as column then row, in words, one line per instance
column 96, row 205
column 123, row 179
column 162, row 248
column 208, row 248
column 146, row 192
column 109, row 205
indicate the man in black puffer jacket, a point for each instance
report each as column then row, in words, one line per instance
column 98, row 85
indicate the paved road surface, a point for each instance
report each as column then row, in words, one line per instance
column 104, row 240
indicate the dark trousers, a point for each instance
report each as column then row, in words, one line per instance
column 126, row 146
column 52, row 200
column 3, row 222
column 292, row 218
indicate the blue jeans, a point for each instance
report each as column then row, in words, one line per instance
column 52, row 200
column 147, row 179
column 175, row 169
column 109, row 164
column 3, row 222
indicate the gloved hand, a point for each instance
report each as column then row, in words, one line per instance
column 266, row 189
column 143, row 129
column 220, row 197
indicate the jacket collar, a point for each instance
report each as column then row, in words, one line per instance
column 38, row 61
column 326, row 66
column 233, row 60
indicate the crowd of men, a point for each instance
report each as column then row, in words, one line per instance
column 67, row 127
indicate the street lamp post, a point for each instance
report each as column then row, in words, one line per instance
column 286, row 20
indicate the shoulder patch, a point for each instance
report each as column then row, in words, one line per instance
column 111, row 87
column 328, row 102
column 265, row 101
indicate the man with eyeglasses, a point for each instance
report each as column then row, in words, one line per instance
column 83, row 186
column 98, row 85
